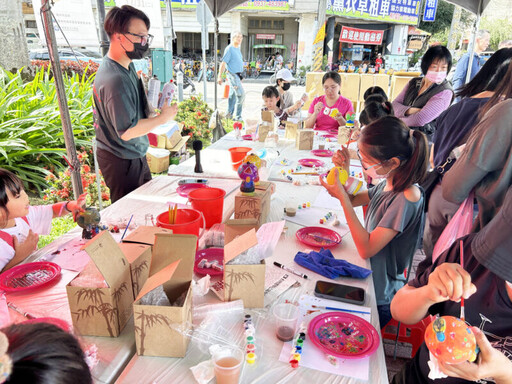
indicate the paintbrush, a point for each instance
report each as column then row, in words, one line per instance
column 340, row 309
column 320, row 238
column 127, row 226
column 462, row 314
column 305, row 173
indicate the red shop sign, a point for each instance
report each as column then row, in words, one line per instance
column 361, row 36
column 265, row 36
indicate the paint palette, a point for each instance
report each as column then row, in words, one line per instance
column 211, row 255
column 29, row 276
column 320, row 237
column 311, row 162
column 322, row 152
column 184, row 189
column 247, row 137
column 343, row 335
column 450, row 340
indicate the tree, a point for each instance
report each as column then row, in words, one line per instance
column 443, row 20
column 500, row 29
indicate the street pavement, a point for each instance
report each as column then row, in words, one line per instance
column 253, row 101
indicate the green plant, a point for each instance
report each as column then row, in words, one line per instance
column 195, row 115
column 61, row 189
column 31, row 136
column 70, row 67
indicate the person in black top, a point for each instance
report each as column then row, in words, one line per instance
column 121, row 115
column 485, row 282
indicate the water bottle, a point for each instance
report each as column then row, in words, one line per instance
column 153, row 91
column 168, row 93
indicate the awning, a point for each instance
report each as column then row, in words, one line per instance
column 475, row 6
column 278, row 46
column 416, row 31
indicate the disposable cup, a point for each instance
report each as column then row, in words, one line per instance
column 227, row 363
column 286, row 316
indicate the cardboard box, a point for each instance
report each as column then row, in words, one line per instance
column 139, row 257
column 103, row 311
column 158, row 159
column 241, row 281
column 145, row 235
column 256, row 206
column 268, row 117
column 155, row 326
column 166, row 135
column 264, row 129
column 291, row 129
column 304, row 139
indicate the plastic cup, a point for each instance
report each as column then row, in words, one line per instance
column 210, row 201
column 286, row 316
column 227, row 362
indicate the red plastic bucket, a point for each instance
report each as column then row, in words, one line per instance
column 209, row 201
column 237, row 156
column 188, row 221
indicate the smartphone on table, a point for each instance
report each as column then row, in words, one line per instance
column 193, row 181
column 339, row 292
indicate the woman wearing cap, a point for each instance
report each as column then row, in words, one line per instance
column 328, row 111
column 284, row 79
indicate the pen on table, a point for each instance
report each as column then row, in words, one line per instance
column 341, row 309
column 20, row 311
column 127, row 226
column 289, row 270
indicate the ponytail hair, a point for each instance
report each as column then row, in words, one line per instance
column 389, row 137
column 374, row 111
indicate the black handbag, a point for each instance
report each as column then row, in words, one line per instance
column 434, row 177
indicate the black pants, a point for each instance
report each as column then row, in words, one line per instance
column 122, row 175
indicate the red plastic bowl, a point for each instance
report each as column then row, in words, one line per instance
column 318, row 237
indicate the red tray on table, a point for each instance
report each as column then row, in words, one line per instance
column 210, row 254
column 29, row 276
column 322, row 152
column 311, row 162
column 318, row 237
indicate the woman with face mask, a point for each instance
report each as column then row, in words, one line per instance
column 284, row 81
column 424, row 98
column 390, row 235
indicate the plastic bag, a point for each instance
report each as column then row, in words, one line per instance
column 459, row 226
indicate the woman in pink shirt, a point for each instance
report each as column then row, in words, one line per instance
column 328, row 112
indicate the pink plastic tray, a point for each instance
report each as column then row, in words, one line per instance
column 322, row 152
column 311, row 162
column 29, row 276
column 209, row 254
column 318, row 237
column 343, row 335
column 185, row 189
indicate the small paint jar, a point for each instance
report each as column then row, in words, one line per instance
column 250, row 348
column 294, row 363
column 250, row 358
column 296, row 356
column 250, row 340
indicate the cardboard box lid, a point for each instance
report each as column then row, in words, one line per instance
column 169, row 248
column 180, row 144
column 108, row 257
column 237, row 227
column 159, row 278
column 133, row 250
column 240, row 244
column 145, row 235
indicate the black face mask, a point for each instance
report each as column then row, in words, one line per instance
column 285, row 86
column 139, row 51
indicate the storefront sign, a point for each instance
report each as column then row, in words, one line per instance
column 414, row 45
column 181, row 3
column 265, row 36
column 76, row 19
column 391, row 11
column 274, row 5
column 430, row 10
column 361, row 36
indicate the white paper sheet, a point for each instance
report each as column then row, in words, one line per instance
column 312, row 356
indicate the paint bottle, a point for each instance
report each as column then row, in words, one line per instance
column 351, row 184
column 168, row 93
column 153, row 91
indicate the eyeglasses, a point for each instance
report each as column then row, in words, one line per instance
column 362, row 162
column 144, row 39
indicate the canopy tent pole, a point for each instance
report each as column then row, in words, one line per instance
column 471, row 51
column 69, row 140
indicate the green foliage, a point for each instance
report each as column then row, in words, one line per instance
column 440, row 37
column 61, row 187
column 443, row 20
column 31, row 136
column 195, row 115
column 60, row 225
column 500, row 29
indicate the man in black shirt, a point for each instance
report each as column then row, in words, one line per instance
column 121, row 119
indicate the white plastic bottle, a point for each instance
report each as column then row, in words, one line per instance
column 167, row 93
column 153, row 91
